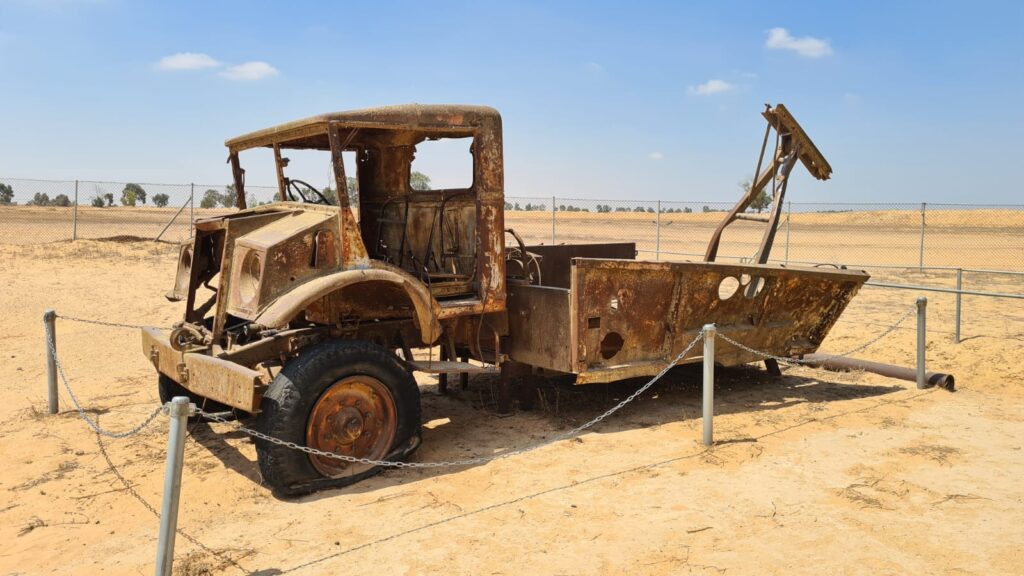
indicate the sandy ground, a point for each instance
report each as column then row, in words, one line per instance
column 813, row 472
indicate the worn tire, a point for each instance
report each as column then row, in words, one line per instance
column 168, row 389
column 289, row 402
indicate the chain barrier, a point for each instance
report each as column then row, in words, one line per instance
column 469, row 461
column 81, row 411
column 108, row 324
column 801, row 362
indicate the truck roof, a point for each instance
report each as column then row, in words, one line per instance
column 415, row 121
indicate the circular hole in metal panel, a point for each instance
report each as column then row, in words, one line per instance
column 727, row 287
column 611, row 344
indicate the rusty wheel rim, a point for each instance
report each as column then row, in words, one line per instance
column 355, row 416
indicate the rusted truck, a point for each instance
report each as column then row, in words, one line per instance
column 304, row 314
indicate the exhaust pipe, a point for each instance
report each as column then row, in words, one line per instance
column 839, row 364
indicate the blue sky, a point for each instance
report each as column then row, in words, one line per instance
column 909, row 101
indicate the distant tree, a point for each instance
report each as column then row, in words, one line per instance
column 508, row 205
column 161, row 199
column 517, row 208
column 650, row 210
column 228, row 198
column 352, row 184
column 639, row 209
column 210, row 199
column 137, row 192
column 6, row 194
column 330, row 194
column 39, row 199
column 705, row 209
column 61, row 200
column 687, row 210
column 109, row 197
column 419, row 181
column 761, row 201
column 128, row 196
column 98, row 201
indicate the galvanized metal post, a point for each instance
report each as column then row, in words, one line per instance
column 922, row 305
column 789, row 219
column 50, row 322
column 179, row 409
column 553, row 208
column 657, row 233
column 191, row 209
column 920, row 258
column 708, row 402
column 74, row 215
column 959, row 286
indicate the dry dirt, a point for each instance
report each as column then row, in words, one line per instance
column 813, row 473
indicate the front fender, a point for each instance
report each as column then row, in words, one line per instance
column 287, row 307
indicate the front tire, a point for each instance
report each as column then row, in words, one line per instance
column 341, row 396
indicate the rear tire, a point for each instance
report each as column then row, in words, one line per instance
column 168, row 389
column 349, row 397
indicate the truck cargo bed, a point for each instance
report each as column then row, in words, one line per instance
column 621, row 318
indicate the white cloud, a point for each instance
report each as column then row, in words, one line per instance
column 656, row 156
column 807, row 46
column 250, row 71
column 186, row 61
column 593, row 67
column 713, row 86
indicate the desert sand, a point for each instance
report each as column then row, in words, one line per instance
column 812, row 473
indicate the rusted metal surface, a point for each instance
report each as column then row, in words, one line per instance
column 840, row 364
column 355, row 416
column 556, row 261
column 538, row 326
column 207, row 376
column 629, row 318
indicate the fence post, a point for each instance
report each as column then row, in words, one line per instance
column 179, row 409
column 191, row 208
column 959, row 286
column 920, row 258
column 553, row 208
column 657, row 233
column 922, row 305
column 50, row 322
column 708, row 402
column 789, row 220
column 74, row 215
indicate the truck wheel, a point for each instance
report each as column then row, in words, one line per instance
column 168, row 389
column 346, row 397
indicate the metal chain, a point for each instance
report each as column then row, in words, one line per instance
column 103, row 323
column 469, row 461
column 799, row 361
column 81, row 411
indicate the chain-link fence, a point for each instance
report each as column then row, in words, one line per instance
column 923, row 238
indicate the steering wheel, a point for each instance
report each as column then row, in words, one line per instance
column 294, row 185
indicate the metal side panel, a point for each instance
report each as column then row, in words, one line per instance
column 539, row 326
column 630, row 317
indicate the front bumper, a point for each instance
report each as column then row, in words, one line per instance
column 204, row 375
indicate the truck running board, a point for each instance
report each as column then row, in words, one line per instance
column 449, row 367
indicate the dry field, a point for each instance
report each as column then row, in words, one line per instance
column 813, row 472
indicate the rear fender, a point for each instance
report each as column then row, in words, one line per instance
column 288, row 306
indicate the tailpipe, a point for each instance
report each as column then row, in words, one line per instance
column 840, row 364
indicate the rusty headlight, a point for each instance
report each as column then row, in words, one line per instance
column 249, row 277
column 183, row 275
